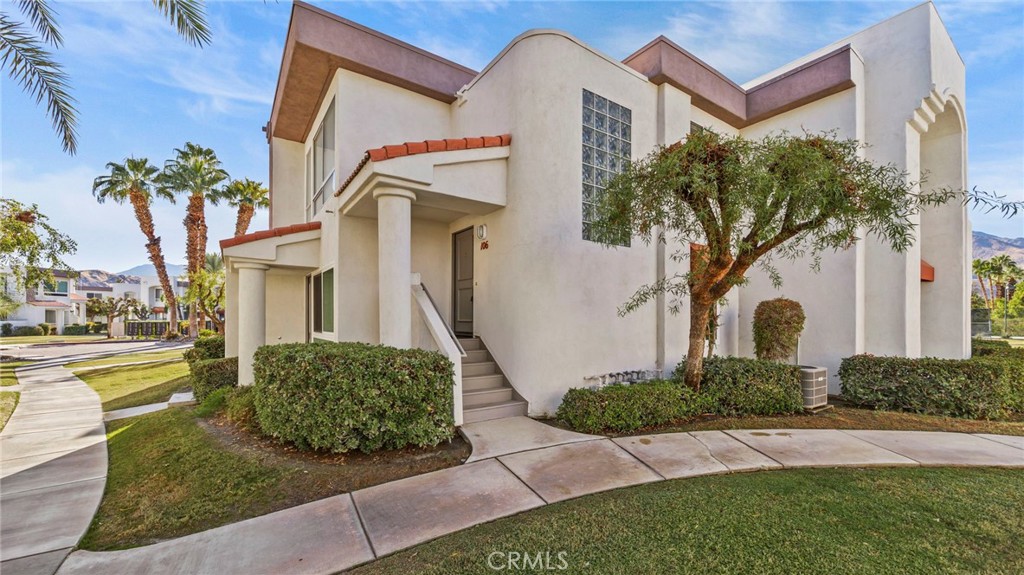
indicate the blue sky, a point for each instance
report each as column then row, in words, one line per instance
column 142, row 91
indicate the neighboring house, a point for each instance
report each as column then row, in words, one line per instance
column 58, row 303
column 393, row 169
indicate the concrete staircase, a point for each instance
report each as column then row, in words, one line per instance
column 486, row 394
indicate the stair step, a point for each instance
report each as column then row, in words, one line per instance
column 482, row 368
column 478, row 382
column 476, row 356
column 486, row 396
column 490, row 411
column 471, row 343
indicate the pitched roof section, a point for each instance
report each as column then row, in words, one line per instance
column 663, row 61
column 319, row 43
column 271, row 233
column 49, row 303
column 425, row 147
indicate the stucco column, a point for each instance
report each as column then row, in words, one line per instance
column 394, row 265
column 252, row 316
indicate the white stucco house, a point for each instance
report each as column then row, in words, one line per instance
column 58, row 304
column 418, row 203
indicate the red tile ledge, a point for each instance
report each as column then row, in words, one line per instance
column 425, row 147
column 271, row 233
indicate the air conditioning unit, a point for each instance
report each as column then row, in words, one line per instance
column 814, row 382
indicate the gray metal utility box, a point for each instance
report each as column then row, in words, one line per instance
column 814, row 382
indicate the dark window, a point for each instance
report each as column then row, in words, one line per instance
column 323, row 301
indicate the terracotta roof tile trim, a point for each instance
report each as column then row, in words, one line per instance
column 271, row 233
column 425, row 147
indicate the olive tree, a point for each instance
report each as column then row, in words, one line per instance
column 748, row 202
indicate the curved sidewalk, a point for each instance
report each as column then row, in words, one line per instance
column 343, row 531
column 53, row 463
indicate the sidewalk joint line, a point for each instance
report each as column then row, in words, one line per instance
column 362, row 524
column 869, row 442
column 523, row 481
column 727, row 434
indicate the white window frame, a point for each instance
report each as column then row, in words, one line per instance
column 322, row 172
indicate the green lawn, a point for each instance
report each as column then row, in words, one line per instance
column 129, row 358
column 834, row 521
column 132, row 385
column 29, row 339
column 7, row 368
column 8, row 401
column 169, row 477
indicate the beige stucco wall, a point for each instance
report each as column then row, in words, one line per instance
column 546, row 300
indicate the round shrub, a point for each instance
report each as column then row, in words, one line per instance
column 777, row 327
column 46, row 329
column 206, row 348
column 344, row 396
column 28, row 330
column 6, row 330
column 209, row 375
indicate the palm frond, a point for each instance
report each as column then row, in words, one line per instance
column 32, row 66
column 188, row 17
column 43, row 19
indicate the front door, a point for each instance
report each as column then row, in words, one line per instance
column 462, row 259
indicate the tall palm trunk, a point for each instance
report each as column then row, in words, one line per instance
column 984, row 292
column 195, row 249
column 245, row 213
column 156, row 255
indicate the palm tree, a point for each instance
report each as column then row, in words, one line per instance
column 214, row 263
column 133, row 181
column 247, row 196
column 25, row 53
column 195, row 171
column 982, row 269
column 1002, row 271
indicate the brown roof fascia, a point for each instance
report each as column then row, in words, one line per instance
column 319, row 42
column 662, row 61
column 821, row 77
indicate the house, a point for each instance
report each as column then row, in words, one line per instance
column 418, row 203
column 58, row 303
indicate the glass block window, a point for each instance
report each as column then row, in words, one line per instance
column 607, row 148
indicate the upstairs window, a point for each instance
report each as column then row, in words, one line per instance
column 607, row 149
column 322, row 160
column 59, row 287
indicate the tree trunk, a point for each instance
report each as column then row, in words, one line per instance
column 110, row 326
column 245, row 213
column 195, row 249
column 700, row 311
column 140, row 203
column 984, row 294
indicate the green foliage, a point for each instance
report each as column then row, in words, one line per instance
column 624, row 408
column 737, row 386
column 207, row 333
column 6, row 330
column 994, row 347
column 28, row 330
column 99, row 327
column 212, row 374
column 241, row 407
column 30, row 248
column 206, row 348
column 345, row 396
column 988, row 387
column 778, row 324
column 76, row 329
column 214, row 402
column 45, row 327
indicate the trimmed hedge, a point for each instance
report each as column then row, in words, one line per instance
column 206, row 348
column 995, row 347
column 209, row 375
column 6, row 329
column 28, row 330
column 987, row 387
column 343, row 396
column 729, row 386
column 76, row 329
column 778, row 324
column 625, row 408
column 99, row 327
column 737, row 386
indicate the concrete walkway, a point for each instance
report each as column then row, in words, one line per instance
column 53, row 460
column 340, row 532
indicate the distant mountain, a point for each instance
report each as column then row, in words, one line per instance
column 173, row 270
column 96, row 277
column 987, row 245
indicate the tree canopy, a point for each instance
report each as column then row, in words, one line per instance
column 29, row 246
column 750, row 201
